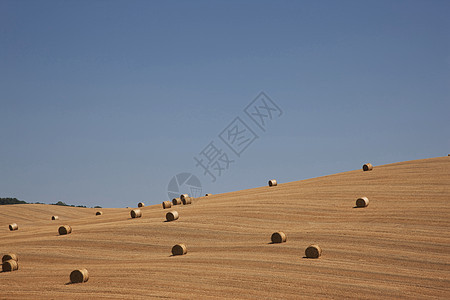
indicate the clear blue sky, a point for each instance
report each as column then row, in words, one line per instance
column 103, row 102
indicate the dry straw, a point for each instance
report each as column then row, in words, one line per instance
column 183, row 196
column 10, row 256
column 13, row 226
column 79, row 276
column 136, row 213
column 176, row 201
column 273, row 182
column 362, row 202
column 313, row 251
column 167, row 204
column 99, row 213
column 367, row 167
column 55, row 218
column 10, row 265
column 187, row 200
column 172, row 216
column 141, row 204
column 278, row 237
column 65, row 229
column 179, row 249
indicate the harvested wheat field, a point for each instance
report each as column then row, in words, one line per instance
column 397, row 247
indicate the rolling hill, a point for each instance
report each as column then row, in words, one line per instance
column 397, row 247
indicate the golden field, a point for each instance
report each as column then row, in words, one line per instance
column 397, row 247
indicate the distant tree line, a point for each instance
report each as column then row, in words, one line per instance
column 6, row 201
column 64, row 204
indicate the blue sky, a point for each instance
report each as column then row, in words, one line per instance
column 103, row 102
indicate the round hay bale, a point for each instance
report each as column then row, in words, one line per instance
column 313, row 251
column 79, row 276
column 273, row 182
column 13, row 226
column 176, row 201
column 167, row 204
column 99, row 213
column 362, row 202
column 184, row 196
column 278, row 237
column 179, row 249
column 367, row 167
column 187, row 200
column 10, row 256
column 65, row 229
column 172, row 216
column 141, row 204
column 55, row 218
column 10, row 265
column 208, row 195
column 136, row 213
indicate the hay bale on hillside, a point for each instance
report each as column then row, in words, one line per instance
column 179, row 249
column 79, row 276
column 187, row 200
column 208, row 195
column 278, row 237
column 362, row 202
column 273, row 182
column 313, row 251
column 183, row 196
column 167, row 204
column 55, row 218
column 13, row 226
column 136, row 213
column 141, row 204
column 172, row 216
column 367, row 167
column 10, row 265
column 176, row 201
column 10, row 256
column 99, row 213
column 64, row 229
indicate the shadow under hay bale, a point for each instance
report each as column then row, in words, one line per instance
column 13, row 227
column 176, row 201
column 179, row 249
column 313, row 251
column 278, row 237
column 187, row 200
column 136, row 213
column 79, row 276
column 99, row 213
column 166, row 204
column 367, row 167
column 55, row 218
column 362, row 202
column 172, row 216
column 10, row 256
column 141, row 204
column 10, row 265
column 273, row 182
column 64, row 229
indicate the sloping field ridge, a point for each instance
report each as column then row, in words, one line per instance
column 396, row 247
